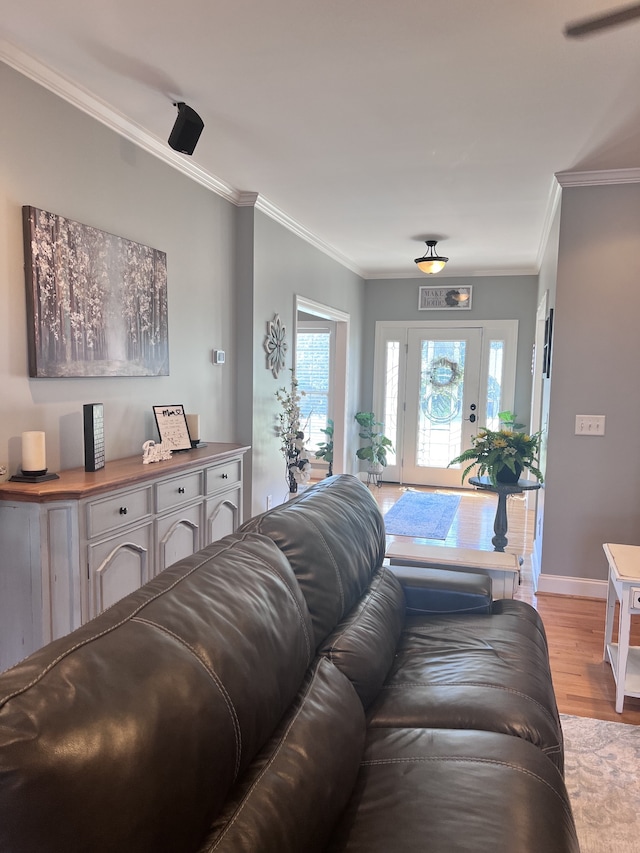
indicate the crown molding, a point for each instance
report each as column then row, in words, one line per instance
column 598, row 178
column 98, row 109
column 278, row 215
column 246, row 199
column 434, row 279
column 94, row 107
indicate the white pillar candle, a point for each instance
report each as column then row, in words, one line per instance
column 34, row 457
column 193, row 422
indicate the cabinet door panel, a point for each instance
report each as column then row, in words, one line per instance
column 223, row 515
column 118, row 566
column 178, row 536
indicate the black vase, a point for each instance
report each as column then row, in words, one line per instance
column 293, row 483
column 506, row 475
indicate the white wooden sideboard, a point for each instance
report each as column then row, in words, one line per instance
column 70, row 548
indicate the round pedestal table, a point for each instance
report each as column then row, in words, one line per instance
column 502, row 490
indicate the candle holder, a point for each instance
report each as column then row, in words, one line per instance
column 193, row 425
column 33, row 477
column 34, row 462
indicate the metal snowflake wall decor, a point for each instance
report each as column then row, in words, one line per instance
column 275, row 345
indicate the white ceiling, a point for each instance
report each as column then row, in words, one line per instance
column 369, row 125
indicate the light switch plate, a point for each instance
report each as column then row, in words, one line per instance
column 590, row 424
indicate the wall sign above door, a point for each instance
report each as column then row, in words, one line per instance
column 431, row 298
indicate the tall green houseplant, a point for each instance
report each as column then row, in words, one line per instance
column 325, row 448
column 375, row 450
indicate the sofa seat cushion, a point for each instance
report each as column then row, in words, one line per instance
column 473, row 672
column 295, row 790
column 440, row 791
column 363, row 646
column 333, row 536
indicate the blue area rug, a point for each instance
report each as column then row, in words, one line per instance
column 424, row 514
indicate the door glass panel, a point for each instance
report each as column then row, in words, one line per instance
column 495, row 383
column 439, row 433
column 391, row 392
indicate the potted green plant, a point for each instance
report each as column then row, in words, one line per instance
column 325, row 448
column 508, row 421
column 502, row 455
column 375, row 451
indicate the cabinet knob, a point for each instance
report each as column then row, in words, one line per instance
column 225, row 476
column 123, row 510
column 181, row 490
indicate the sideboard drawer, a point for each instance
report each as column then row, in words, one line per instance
column 179, row 490
column 111, row 513
column 221, row 477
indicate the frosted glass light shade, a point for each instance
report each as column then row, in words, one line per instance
column 431, row 263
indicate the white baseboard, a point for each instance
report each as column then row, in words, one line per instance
column 581, row 587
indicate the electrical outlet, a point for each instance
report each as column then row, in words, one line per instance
column 269, row 501
column 635, row 599
column 590, row 424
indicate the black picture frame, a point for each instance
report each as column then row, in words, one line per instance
column 173, row 429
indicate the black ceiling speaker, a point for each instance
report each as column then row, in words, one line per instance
column 187, row 129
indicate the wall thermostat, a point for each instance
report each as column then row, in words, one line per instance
column 219, row 356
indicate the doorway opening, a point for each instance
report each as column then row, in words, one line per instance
column 321, row 364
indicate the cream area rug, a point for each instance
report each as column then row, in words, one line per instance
column 602, row 773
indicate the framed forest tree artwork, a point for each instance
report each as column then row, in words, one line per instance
column 96, row 303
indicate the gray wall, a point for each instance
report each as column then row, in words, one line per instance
column 494, row 298
column 286, row 266
column 592, row 494
column 55, row 157
column 229, row 269
column 546, row 284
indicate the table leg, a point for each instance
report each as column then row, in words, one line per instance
column 611, row 609
column 624, row 630
column 500, row 524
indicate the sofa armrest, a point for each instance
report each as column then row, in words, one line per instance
column 442, row 591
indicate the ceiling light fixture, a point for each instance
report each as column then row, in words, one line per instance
column 430, row 263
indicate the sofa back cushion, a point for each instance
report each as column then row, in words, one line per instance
column 294, row 792
column 333, row 536
column 129, row 733
column 363, row 645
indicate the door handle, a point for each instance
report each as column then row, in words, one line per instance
column 471, row 419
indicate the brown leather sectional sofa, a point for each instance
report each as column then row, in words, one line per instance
column 283, row 691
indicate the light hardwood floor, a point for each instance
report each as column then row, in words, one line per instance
column 583, row 682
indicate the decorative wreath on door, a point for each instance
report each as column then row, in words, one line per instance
column 444, row 373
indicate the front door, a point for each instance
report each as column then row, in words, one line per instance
column 442, row 397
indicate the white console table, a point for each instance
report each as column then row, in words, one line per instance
column 623, row 587
column 503, row 569
column 74, row 546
